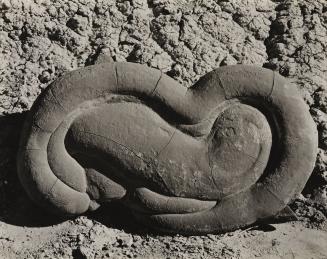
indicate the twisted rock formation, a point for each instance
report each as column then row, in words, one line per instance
column 233, row 149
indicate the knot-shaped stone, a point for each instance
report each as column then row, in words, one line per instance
column 234, row 148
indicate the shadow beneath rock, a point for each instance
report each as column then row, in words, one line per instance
column 25, row 213
column 115, row 215
column 15, row 207
column 263, row 227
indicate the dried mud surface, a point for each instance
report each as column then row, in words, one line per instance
column 40, row 40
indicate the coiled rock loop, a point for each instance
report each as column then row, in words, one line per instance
column 234, row 148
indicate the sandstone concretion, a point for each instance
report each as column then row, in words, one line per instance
column 233, row 149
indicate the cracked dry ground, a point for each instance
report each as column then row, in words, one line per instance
column 40, row 40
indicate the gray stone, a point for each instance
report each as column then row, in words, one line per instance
column 233, row 149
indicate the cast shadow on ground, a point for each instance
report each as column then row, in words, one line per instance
column 15, row 206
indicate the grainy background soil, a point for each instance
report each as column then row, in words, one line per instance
column 40, row 40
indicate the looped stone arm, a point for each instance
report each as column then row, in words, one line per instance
column 232, row 149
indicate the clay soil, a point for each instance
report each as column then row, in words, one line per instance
column 40, row 40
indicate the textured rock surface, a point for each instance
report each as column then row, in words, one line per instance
column 240, row 136
column 41, row 40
